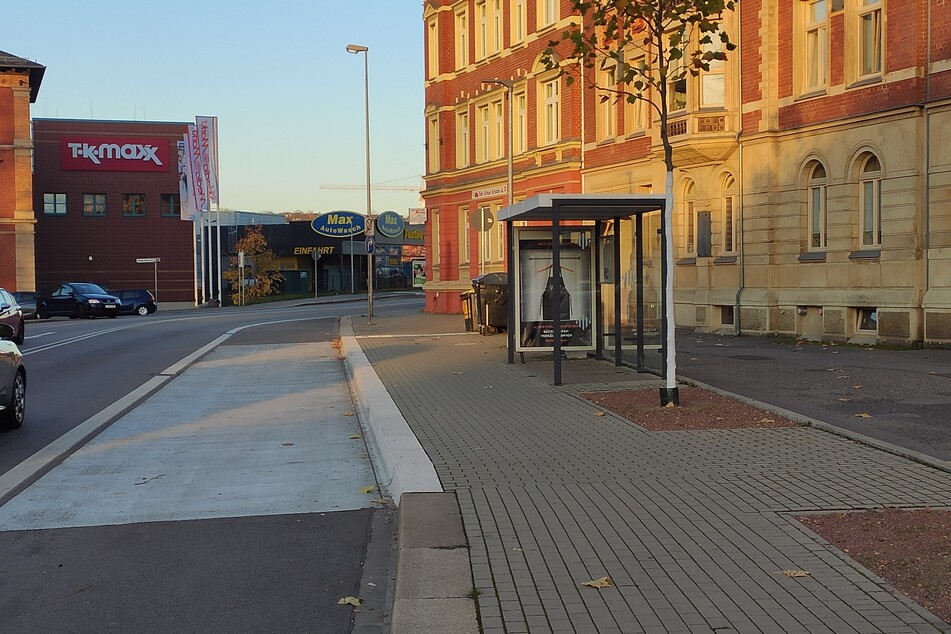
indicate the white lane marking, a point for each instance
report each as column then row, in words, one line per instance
column 42, row 334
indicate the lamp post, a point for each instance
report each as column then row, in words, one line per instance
column 510, row 150
column 356, row 48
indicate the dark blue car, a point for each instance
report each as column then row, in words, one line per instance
column 77, row 300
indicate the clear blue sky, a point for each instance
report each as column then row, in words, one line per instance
column 288, row 97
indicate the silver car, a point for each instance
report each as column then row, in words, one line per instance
column 12, row 381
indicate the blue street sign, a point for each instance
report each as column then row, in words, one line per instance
column 369, row 244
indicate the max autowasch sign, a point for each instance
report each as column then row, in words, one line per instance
column 390, row 224
column 338, row 224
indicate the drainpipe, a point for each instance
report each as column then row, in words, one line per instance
column 927, row 162
column 739, row 180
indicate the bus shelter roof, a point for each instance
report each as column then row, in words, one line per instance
column 582, row 206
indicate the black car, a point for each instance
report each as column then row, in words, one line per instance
column 136, row 302
column 27, row 302
column 11, row 315
column 12, row 381
column 76, row 300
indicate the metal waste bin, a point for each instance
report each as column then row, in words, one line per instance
column 468, row 309
column 491, row 292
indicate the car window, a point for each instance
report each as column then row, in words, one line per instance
column 88, row 288
column 5, row 297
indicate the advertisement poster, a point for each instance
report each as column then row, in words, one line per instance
column 537, row 287
column 419, row 272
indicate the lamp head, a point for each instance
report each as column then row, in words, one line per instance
column 501, row 82
column 356, row 48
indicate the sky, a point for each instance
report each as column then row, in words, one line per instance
column 288, row 96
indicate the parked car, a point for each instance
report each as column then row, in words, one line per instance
column 27, row 302
column 11, row 315
column 12, row 381
column 136, row 302
column 76, row 300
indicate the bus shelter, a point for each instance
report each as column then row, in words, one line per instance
column 562, row 248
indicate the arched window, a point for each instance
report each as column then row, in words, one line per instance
column 816, row 202
column 690, row 218
column 730, row 213
column 870, row 201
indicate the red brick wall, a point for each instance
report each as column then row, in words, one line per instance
column 65, row 244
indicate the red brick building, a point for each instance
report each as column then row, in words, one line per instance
column 106, row 193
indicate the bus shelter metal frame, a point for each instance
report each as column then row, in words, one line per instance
column 558, row 208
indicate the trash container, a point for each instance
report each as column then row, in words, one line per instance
column 468, row 309
column 491, row 292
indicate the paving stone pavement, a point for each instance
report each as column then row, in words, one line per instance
column 694, row 528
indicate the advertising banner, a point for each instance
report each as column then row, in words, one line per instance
column 195, row 170
column 114, row 154
column 184, row 193
column 538, row 289
column 208, row 146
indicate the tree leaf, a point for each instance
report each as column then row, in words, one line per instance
column 603, row 582
column 797, row 573
column 350, row 601
column 366, row 489
column 863, row 415
column 599, row 413
column 355, row 437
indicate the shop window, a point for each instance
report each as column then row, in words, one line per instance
column 171, row 205
column 94, row 204
column 54, row 204
column 133, row 204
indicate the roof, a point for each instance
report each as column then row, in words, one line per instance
column 8, row 61
column 583, row 206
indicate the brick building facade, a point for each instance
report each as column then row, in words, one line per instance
column 811, row 192
column 105, row 194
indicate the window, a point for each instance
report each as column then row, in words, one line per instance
column 171, row 205
column 520, row 132
column 870, row 37
column 548, row 12
column 482, row 29
column 635, row 110
column 464, row 236
column 482, row 141
column 817, row 45
column 496, row 26
column 54, row 204
column 729, row 215
column 816, row 203
column 551, row 112
column 497, row 237
column 606, row 113
column 690, row 219
column 433, row 144
column 94, row 204
column 133, row 204
column 866, row 319
column 434, row 227
column 462, row 139
column 432, row 49
column 498, row 127
column 871, row 202
column 519, row 18
column 462, row 38
column 676, row 84
column 712, row 83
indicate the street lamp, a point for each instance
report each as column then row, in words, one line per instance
column 510, row 151
column 356, row 48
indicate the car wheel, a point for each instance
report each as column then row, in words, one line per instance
column 21, row 334
column 42, row 314
column 142, row 310
column 81, row 312
column 12, row 417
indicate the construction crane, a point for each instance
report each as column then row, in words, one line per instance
column 403, row 188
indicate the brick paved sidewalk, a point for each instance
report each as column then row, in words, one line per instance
column 694, row 528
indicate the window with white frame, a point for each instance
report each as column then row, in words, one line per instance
column 483, row 139
column 482, row 29
column 496, row 26
column 462, row 138
column 547, row 12
column 464, row 236
column 635, row 108
column 520, row 131
column 551, row 112
column 816, row 205
column 730, row 219
column 434, row 227
column 871, row 201
column 432, row 49
column 816, row 44
column 606, row 112
column 496, row 237
column 690, row 219
column 433, row 144
column 870, row 37
column 519, row 20
column 462, row 37
column 676, row 84
column 712, row 82
column 498, row 130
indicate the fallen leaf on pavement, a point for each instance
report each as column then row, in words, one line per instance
column 671, row 404
column 857, row 387
column 863, row 415
column 355, row 437
column 350, row 601
column 350, row 413
column 487, row 387
column 366, row 490
column 767, row 420
column 603, row 582
column 371, row 584
column 797, row 573
column 599, row 413
column 845, row 400
column 383, row 501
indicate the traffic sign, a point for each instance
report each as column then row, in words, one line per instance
column 483, row 218
column 147, row 260
column 369, row 244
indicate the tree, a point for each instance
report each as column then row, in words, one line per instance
column 263, row 263
column 651, row 46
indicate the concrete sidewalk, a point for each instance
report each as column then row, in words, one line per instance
column 694, row 528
